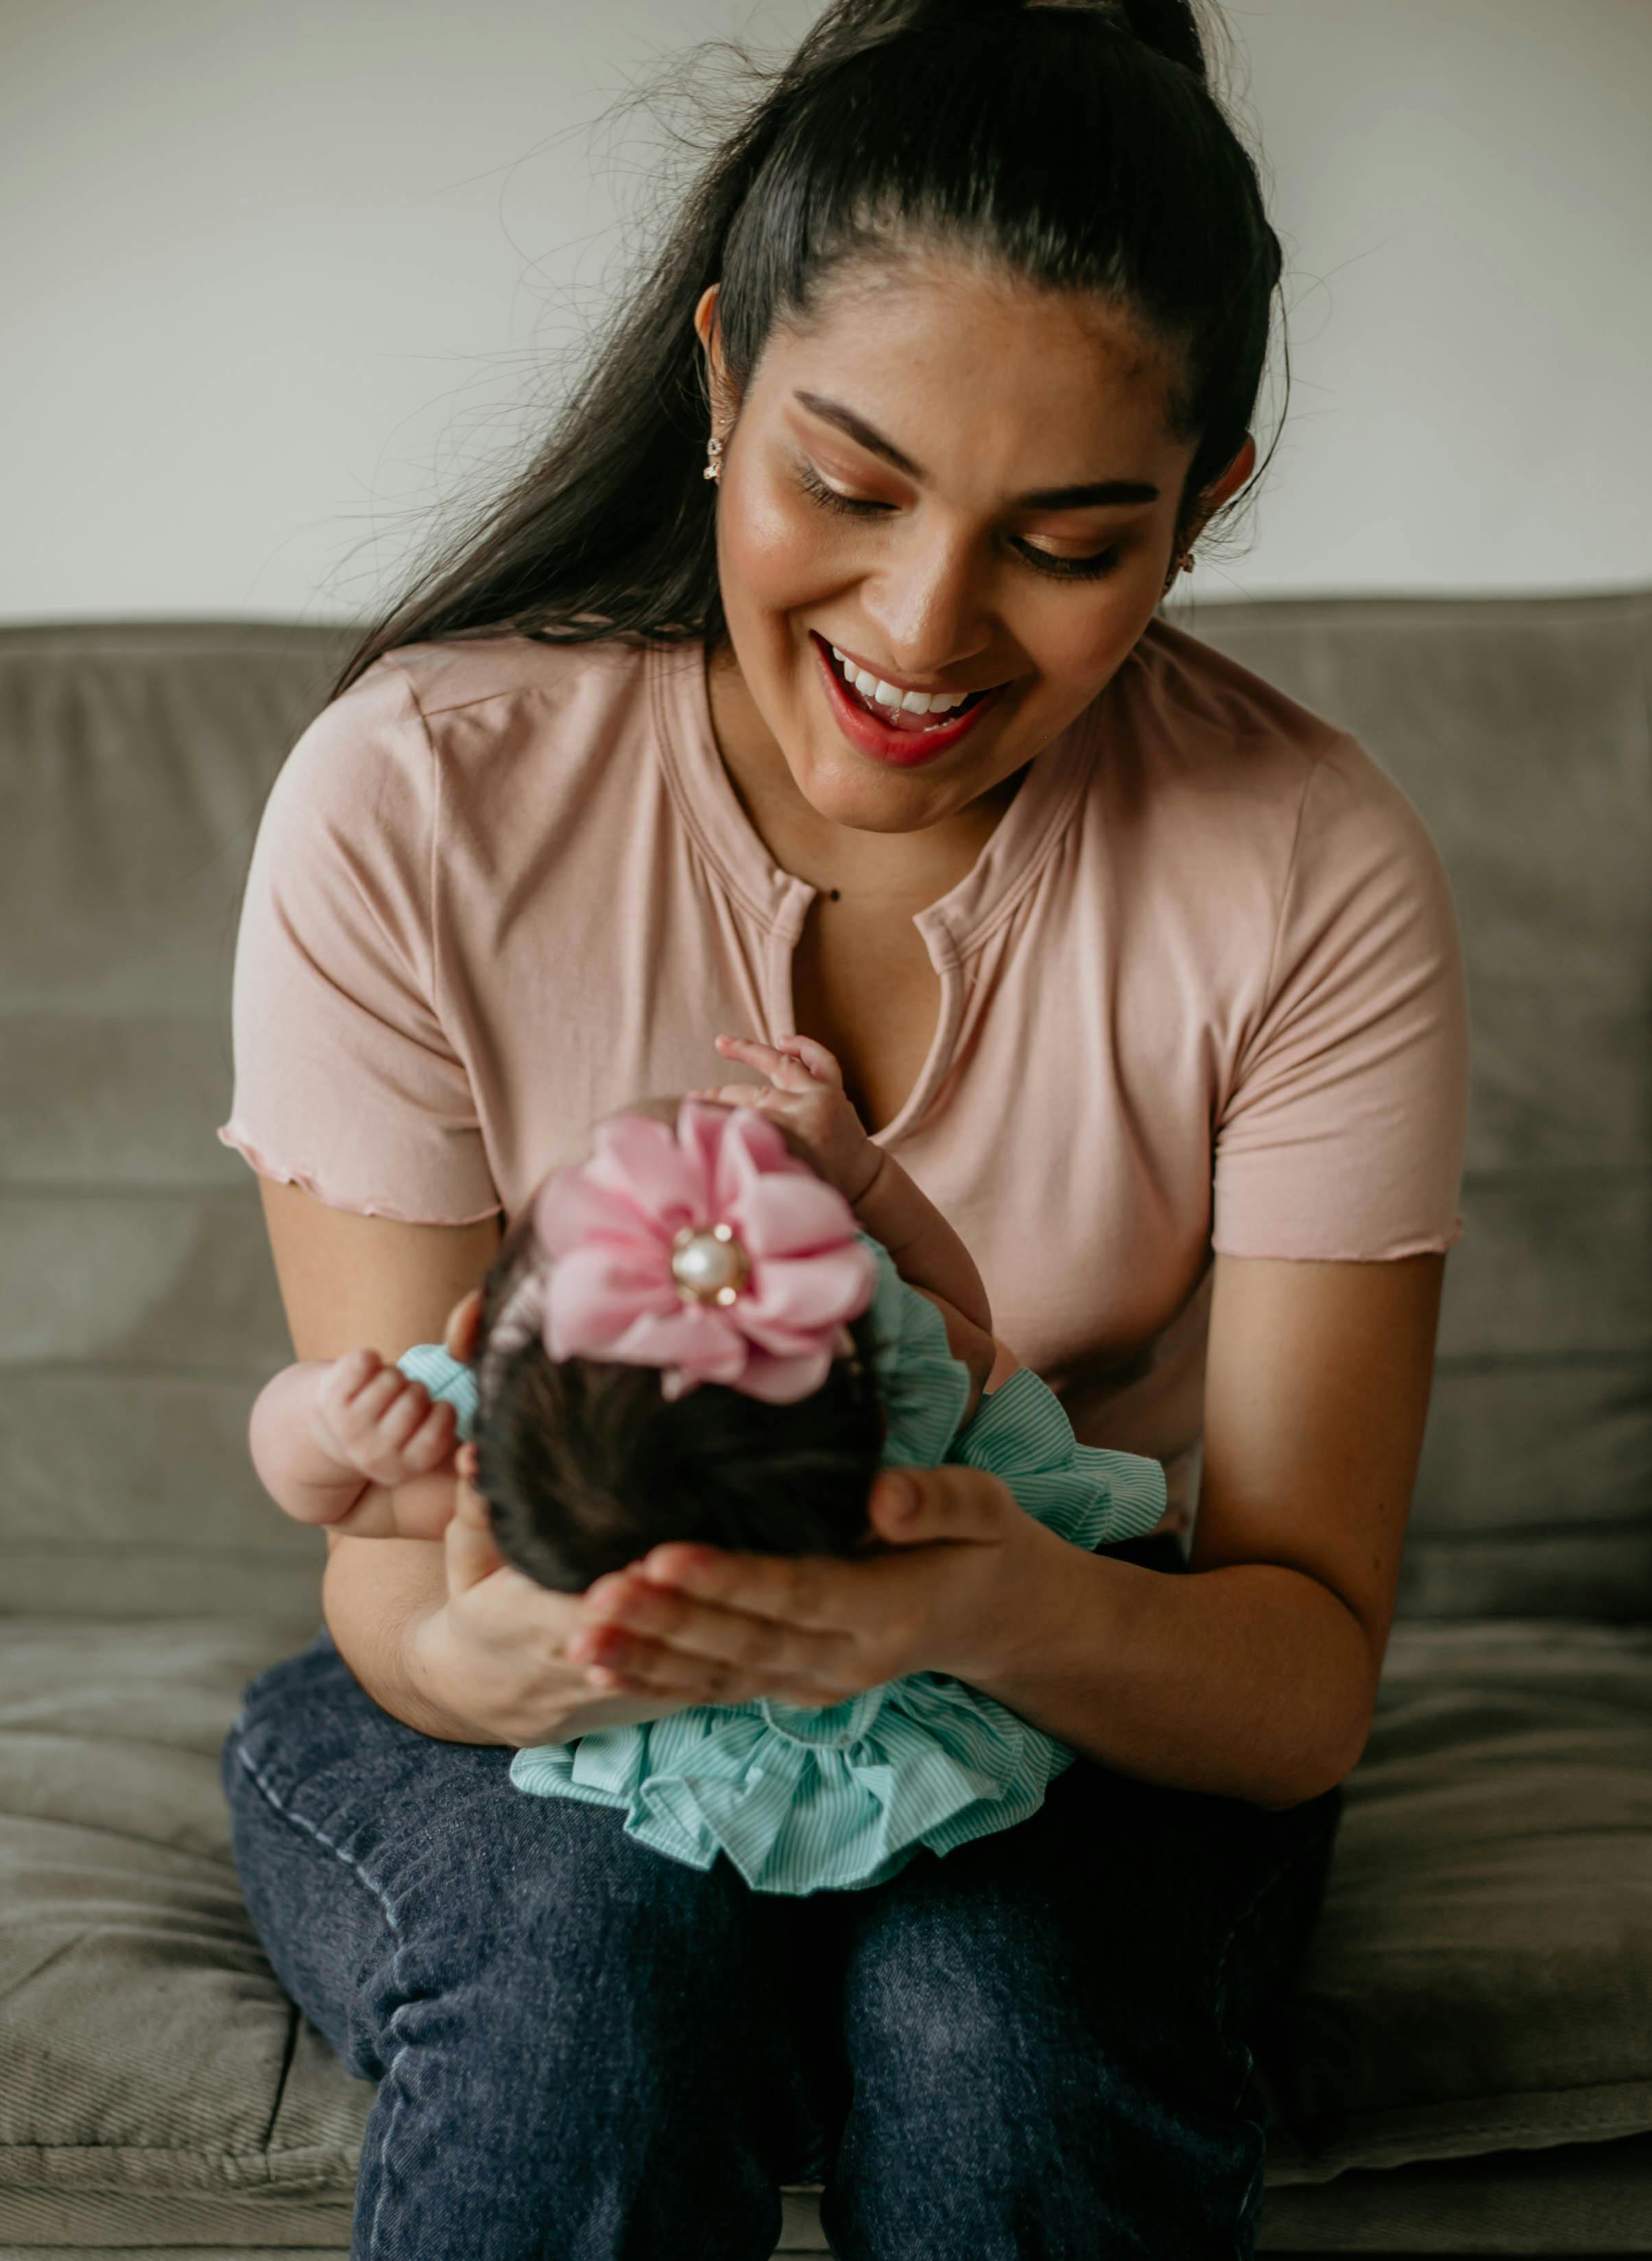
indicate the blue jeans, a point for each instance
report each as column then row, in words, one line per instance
column 1036, row 2048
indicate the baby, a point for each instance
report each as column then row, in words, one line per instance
column 720, row 1328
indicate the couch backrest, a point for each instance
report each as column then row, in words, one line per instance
column 139, row 1313
column 137, row 1307
column 1521, row 728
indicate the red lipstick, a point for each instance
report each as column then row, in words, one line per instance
column 898, row 749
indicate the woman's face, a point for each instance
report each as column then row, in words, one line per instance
column 963, row 485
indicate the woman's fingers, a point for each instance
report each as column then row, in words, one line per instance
column 469, row 1552
column 693, row 1636
column 914, row 1506
column 637, row 1667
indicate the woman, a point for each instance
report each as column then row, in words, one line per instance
column 1152, row 978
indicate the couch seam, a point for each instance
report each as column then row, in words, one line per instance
column 288, row 2055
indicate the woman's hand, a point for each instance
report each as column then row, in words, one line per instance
column 492, row 1657
column 805, row 1091
column 952, row 1582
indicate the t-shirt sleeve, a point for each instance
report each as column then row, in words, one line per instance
column 1343, row 1133
column 346, row 1081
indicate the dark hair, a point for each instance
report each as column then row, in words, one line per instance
column 585, row 1466
column 1076, row 142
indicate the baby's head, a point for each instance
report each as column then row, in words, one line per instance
column 586, row 1459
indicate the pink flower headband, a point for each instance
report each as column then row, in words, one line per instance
column 710, row 1251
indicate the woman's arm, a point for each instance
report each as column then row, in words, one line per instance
column 506, row 1679
column 1255, row 1676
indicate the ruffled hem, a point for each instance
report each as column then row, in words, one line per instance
column 800, row 1817
column 229, row 1134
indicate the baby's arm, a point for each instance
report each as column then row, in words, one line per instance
column 353, row 1444
column 807, row 1094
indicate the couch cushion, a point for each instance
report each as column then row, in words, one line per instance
column 1479, row 1982
column 144, row 2048
column 1481, row 1977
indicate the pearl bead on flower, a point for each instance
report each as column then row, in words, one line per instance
column 709, row 1264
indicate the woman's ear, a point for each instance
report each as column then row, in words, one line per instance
column 723, row 400
column 464, row 1321
column 1226, row 485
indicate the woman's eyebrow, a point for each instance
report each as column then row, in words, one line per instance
column 1076, row 497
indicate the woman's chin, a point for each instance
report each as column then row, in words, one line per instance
column 843, row 788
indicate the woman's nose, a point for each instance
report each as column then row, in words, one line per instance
column 929, row 601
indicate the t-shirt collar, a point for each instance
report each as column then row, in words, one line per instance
column 954, row 924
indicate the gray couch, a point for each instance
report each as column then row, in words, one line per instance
column 1465, row 2064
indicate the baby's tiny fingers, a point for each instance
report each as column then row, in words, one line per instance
column 432, row 1440
column 815, row 1058
column 772, row 1063
column 349, row 1373
column 737, row 1094
column 405, row 1413
column 359, row 1416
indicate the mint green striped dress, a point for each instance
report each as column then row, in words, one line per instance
column 837, row 1799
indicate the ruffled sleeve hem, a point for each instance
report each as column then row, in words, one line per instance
column 924, row 1388
column 1092, row 1497
column 230, row 1134
column 445, row 1378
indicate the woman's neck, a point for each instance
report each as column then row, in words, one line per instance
column 904, row 869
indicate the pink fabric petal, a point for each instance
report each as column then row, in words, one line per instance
column 571, row 1206
column 751, row 1146
column 704, row 1129
column 596, row 1292
column 695, row 1337
column 810, row 1291
column 641, row 1158
column 791, row 1216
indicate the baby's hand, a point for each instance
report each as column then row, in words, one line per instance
column 372, row 1416
column 805, row 1091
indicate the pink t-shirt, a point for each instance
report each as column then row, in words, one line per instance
column 1202, row 991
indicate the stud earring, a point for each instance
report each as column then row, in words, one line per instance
column 714, row 458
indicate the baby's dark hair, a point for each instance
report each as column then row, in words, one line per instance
column 585, row 1465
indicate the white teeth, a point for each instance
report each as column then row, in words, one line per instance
column 886, row 694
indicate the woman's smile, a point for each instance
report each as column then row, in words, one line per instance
column 885, row 720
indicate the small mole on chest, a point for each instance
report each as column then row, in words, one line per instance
column 833, row 892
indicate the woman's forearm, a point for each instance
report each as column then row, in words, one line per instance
column 376, row 1595
column 1251, row 1681
column 374, row 1592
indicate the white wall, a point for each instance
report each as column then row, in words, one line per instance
column 278, row 275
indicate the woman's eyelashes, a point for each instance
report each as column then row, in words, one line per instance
column 1042, row 561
